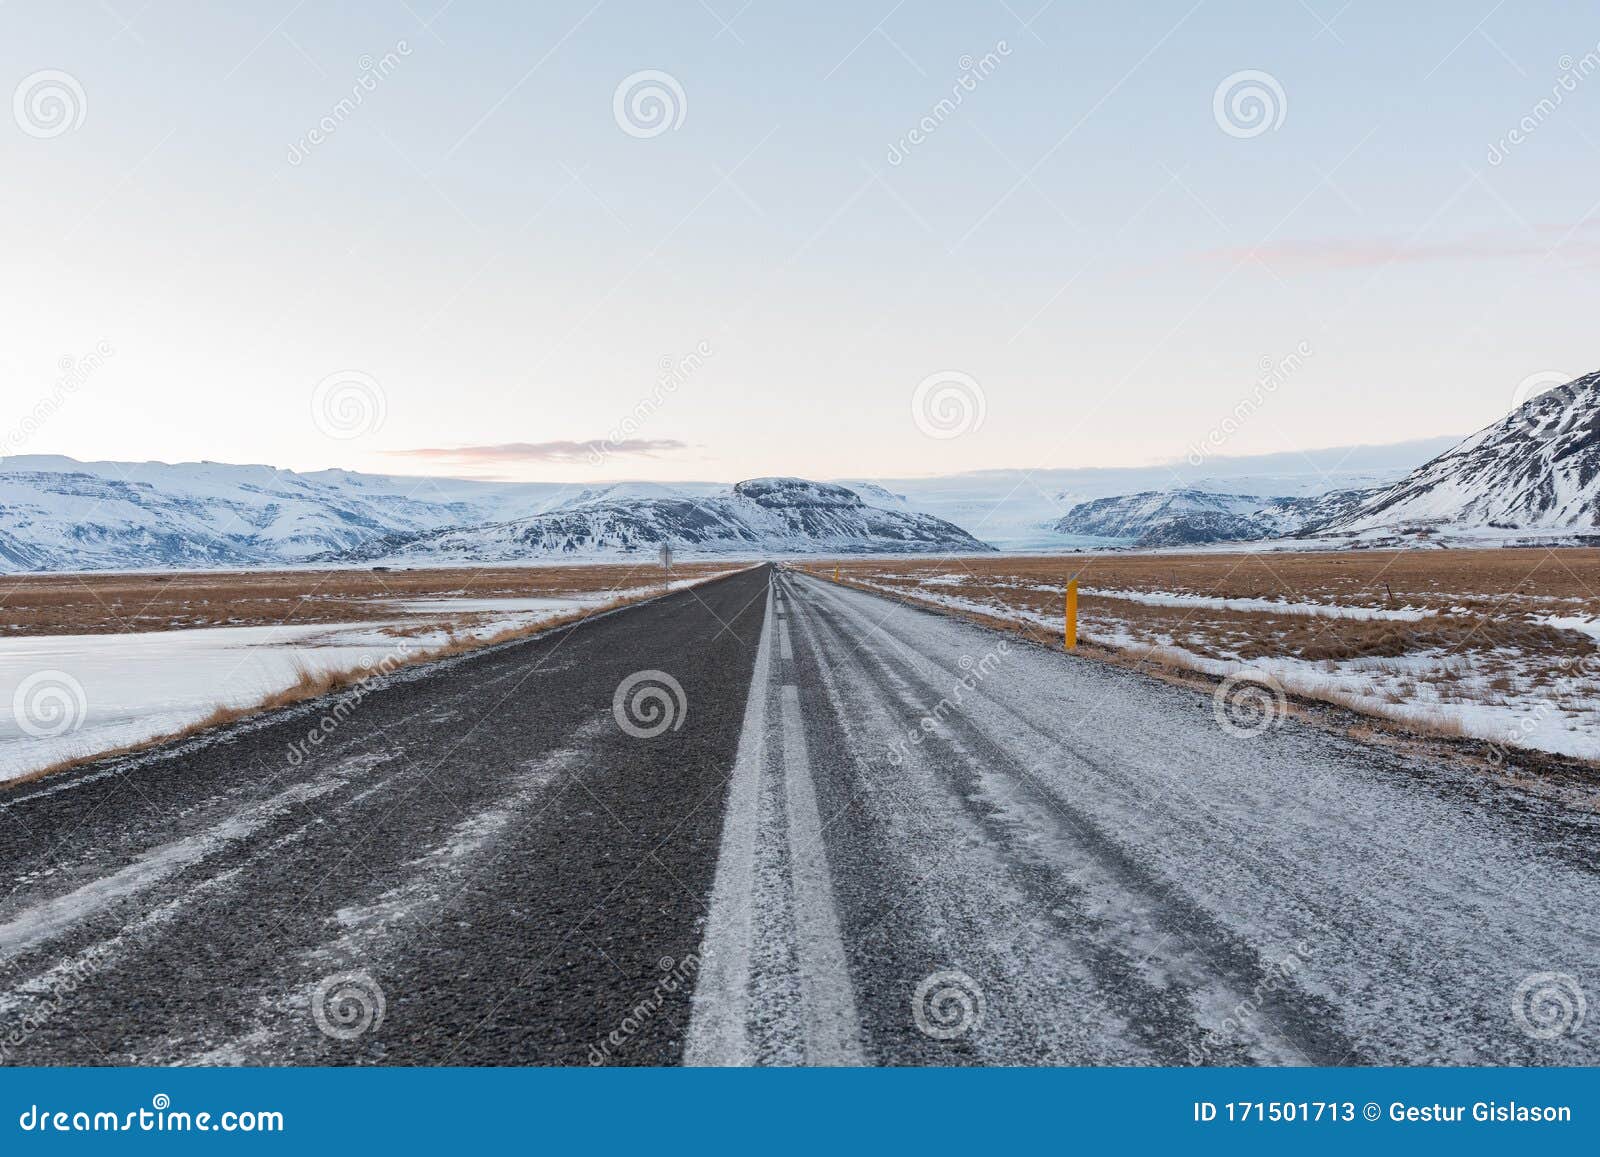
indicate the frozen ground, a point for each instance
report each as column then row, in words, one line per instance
column 1509, row 696
column 76, row 695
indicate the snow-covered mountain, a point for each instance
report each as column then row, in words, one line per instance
column 758, row 516
column 1188, row 516
column 1532, row 476
column 1536, row 470
column 59, row 514
column 1021, row 509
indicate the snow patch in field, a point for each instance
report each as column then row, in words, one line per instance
column 446, row 605
column 1273, row 606
column 137, row 686
column 1582, row 623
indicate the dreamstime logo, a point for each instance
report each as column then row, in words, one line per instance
column 348, row 404
column 347, row 1004
column 649, row 103
column 674, row 372
column 1273, row 375
column 155, row 1119
column 74, row 374
column 948, row 1004
column 49, row 703
column 1536, row 385
column 1247, row 703
column 62, row 983
column 971, row 73
column 948, row 404
column 974, row 672
column 648, row 703
column 676, row 976
column 1516, row 735
column 1244, row 1014
column 49, row 103
column 1249, row 103
column 371, row 72
column 1587, row 666
column 1571, row 73
column 345, row 706
column 1549, row 1004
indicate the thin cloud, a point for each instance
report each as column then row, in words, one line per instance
column 1366, row 254
column 559, row 451
column 1370, row 253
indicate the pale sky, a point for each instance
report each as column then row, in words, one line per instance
column 493, row 248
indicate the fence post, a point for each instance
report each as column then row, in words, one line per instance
column 1071, row 636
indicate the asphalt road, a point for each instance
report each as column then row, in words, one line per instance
column 481, row 844
column 861, row 834
column 1031, row 858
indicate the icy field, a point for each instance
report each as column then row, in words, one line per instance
column 77, row 695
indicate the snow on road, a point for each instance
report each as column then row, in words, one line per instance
column 1103, row 874
column 774, row 986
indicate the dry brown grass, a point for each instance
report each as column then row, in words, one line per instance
column 1419, row 578
column 1482, row 609
column 93, row 604
column 1337, row 639
column 1479, row 600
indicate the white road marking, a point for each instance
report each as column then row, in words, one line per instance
column 724, row 1011
column 717, row 1020
column 833, row 1032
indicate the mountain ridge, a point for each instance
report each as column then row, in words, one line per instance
column 1531, row 476
column 780, row 515
column 1536, row 469
column 1188, row 516
column 58, row 514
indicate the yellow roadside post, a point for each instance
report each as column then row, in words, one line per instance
column 1071, row 639
column 836, row 573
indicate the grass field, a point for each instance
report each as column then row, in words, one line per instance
column 1497, row 645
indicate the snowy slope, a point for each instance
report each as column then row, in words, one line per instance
column 758, row 516
column 1189, row 516
column 1537, row 469
column 1138, row 516
column 59, row 514
column 623, row 492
